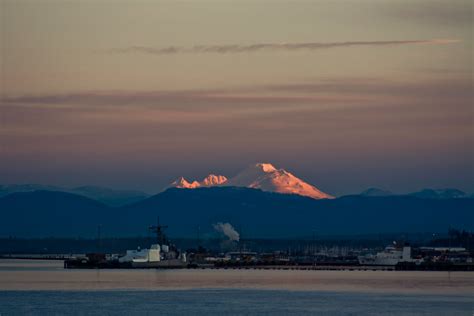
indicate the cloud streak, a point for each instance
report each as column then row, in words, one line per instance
column 270, row 47
column 333, row 91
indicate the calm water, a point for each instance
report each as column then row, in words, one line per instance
column 228, row 302
column 44, row 288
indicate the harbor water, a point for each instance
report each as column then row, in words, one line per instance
column 33, row 287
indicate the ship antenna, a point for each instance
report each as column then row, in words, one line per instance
column 99, row 246
column 198, row 238
column 159, row 230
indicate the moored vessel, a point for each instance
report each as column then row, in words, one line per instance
column 162, row 254
column 390, row 256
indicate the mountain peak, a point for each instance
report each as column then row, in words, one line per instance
column 265, row 167
column 182, row 183
column 213, row 179
column 263, row 176
column 266, row 177
column 210, row 180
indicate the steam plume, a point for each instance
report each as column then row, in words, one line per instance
column 227, row 230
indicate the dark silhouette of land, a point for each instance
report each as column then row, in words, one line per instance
column 254, row 213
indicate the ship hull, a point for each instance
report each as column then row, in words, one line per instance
column 378, row 261
column 165, row 264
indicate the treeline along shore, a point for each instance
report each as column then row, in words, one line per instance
column 55, row 245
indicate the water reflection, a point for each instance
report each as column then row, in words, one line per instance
column 50, row 275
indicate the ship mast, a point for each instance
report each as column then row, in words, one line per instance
column 159, row 231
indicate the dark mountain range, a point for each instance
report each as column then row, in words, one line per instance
column 107, row 196
column 439, row 194
column 376, row 192
column 110, row 197
column 253, row 212
column 51, row 213
column 423, row 194
column 13, row 188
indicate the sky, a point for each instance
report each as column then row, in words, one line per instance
column 133, row 94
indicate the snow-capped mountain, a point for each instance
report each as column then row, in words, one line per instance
column 266, row 177
column 183, row 184
column 212, row 180
column 262, row 176
column 209, row 181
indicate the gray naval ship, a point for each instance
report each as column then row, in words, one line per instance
column 162, row 254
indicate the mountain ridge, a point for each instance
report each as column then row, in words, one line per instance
column 262, row 176
column 111, row 197
column 256, row 212
column 376, row 192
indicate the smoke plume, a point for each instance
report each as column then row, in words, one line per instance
column 228, row 230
